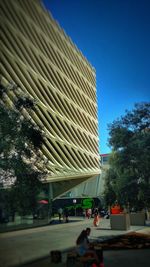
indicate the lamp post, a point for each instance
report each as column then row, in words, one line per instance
column 75, row 201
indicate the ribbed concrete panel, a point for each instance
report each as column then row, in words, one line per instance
column 93, row 187
column 42, row 60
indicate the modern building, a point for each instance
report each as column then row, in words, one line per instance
column 38, row 56
column 94, row 187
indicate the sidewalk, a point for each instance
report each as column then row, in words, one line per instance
column 24, row 246
column 112, row 258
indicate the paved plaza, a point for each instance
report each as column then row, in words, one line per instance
column 31, row 247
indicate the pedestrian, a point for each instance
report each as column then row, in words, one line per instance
column 95, row 211
column 96, row 218
column 60, row 212
column 88, row 213
column 66, row 215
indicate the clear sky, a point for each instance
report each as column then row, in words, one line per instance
column 114, row 35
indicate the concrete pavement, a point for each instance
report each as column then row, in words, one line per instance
column 112, row 258
column 24, row 246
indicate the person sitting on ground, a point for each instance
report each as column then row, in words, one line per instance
column 83, row 246
column 88, row 231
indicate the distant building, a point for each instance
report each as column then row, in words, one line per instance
column 42, row 60
column 105, row 159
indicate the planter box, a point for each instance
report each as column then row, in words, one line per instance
column 137, row 218
column 120, row 221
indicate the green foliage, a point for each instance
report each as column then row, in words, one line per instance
column 24, row 102
column 20, row 142
column 110, row 195
column 129, row 175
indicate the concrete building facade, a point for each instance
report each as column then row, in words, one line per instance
column 94, row 187
column 38, row 56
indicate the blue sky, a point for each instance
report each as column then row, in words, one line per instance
column 114, row 35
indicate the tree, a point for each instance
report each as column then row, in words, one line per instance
column 129, row 174
column 21, row 163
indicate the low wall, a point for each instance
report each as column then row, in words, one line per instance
column 18, row 220
column 120, row 221
column 137, row 218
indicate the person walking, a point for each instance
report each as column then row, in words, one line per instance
column 66, row 215
column 88, row 213
column 96, row 218
column 60, row 212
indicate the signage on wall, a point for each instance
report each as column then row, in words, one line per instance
column 87, row 203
